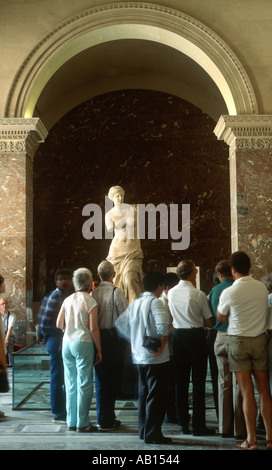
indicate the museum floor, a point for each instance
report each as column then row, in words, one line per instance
column 30, row 430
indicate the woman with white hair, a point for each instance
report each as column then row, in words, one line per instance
column 78, row 317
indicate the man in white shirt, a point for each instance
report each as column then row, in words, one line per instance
column 148, row 316
column 191, row 312
column 245, row 306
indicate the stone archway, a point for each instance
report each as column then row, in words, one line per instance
column 126, row 21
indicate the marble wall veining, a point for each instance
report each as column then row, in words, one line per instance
column 160, row 149
column 16, row 234
column 254, row 189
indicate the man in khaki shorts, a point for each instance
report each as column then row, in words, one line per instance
column 245, row 306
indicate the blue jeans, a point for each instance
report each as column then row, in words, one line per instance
column 78, row 358
column 57, row 391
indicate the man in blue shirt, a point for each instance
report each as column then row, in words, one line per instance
column 148, row 316
column 230, row 412
column 52, row 336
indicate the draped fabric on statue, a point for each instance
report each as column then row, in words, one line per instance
column 128, row 273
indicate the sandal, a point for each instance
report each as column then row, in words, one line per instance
column 269, row 445
column 248, row 445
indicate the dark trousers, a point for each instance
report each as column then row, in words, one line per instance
column 152, row 399
column 108, row 376
column 10, row 350
column 171, row 413
column 190, row 355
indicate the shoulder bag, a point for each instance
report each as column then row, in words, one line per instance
column 152, row 343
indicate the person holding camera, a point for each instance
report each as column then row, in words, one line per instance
column 145, row 324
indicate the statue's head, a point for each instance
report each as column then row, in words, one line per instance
column 116, row 194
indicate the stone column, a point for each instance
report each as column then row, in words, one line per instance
column 19, row 139
column 250, row 156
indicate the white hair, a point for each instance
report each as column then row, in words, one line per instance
column 82, row 279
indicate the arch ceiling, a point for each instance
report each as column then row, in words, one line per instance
column 131, row 45
column 124, row 64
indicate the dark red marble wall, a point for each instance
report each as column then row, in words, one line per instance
column 254, row 206
column 160, row 149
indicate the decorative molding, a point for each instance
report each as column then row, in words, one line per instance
column 253, row 132
column 254, row 144
column 18, row 135
column 137, row 13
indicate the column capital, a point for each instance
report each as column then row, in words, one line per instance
column 245, row 132
column 20, row 135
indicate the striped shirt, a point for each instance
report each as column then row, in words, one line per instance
column 49, row 311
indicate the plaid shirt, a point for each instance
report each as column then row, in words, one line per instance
column 48, row 312
column 110, row 303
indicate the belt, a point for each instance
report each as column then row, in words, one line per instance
column 190, row 329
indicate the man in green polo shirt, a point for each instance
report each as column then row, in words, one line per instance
column 230, row 412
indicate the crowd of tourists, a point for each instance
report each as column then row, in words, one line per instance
column 172, row 331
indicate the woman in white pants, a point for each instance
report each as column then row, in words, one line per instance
column 78, row 318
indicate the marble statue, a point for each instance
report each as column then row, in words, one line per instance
column 125, row 251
